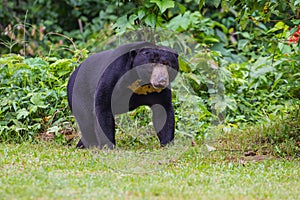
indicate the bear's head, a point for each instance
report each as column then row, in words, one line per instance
column 157, row 66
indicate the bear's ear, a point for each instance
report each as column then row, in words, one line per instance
column 172, row 51
column 175, row 54
column 132, row 53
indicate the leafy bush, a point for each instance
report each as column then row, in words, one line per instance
column 33, row 96
column 239, row 61
column 26, row 27
column 280, row 136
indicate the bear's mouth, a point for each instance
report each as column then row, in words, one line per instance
column 159, row 85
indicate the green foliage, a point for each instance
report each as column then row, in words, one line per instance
column 262, row 87
column 26, row 26
column 33, row 96
column 239, row 61
column 150, row 14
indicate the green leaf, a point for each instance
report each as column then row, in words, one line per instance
column 181, row 7
column 183, row 65
column 231, row 104
column 180, row 21
column 33, row 109
column 23, row 113
column 132, row 18
column 246, row 35
column 278, row 26
column 121, row 24
column 284, row 48
column 293, row 30
column 220, row 106
column 212, row 91
column 242, row 44
column 204, row 109
column 244, row 19
column 211, row 39
column 201, row 3
column 61, row 64
column 35, row 62
column 194, row 77
column 151, row 20
column 216, row 3
column 18, row 125
column 37, row 100
column 141, row 14
column 221, row 35
column 54, row 129
column 63, row 72
column 164, row 4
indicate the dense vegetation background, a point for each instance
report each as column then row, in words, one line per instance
column 240, row 62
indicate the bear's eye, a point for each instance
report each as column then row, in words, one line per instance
column 165, row 63
column 145, row 52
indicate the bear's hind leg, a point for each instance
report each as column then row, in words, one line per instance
column 80, row 145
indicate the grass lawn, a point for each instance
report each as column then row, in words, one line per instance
column 181, row 171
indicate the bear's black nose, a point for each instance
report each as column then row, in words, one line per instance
column 161, row 83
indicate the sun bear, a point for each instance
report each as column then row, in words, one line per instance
column 117, row 81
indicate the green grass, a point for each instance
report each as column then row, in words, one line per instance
column 257, row 162
column 181, row 171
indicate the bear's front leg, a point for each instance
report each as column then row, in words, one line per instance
column 101, row 133
column 163, row 121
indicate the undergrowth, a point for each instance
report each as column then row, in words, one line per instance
column 33, row 96
column 279, row 136
column 34, row 106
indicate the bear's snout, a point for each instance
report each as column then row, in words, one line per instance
column 160, row 76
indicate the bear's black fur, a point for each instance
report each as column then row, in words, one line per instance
column 120, row 80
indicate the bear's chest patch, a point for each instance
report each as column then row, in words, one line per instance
column 137, row 88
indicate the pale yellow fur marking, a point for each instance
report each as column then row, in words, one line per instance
column 142, row 89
